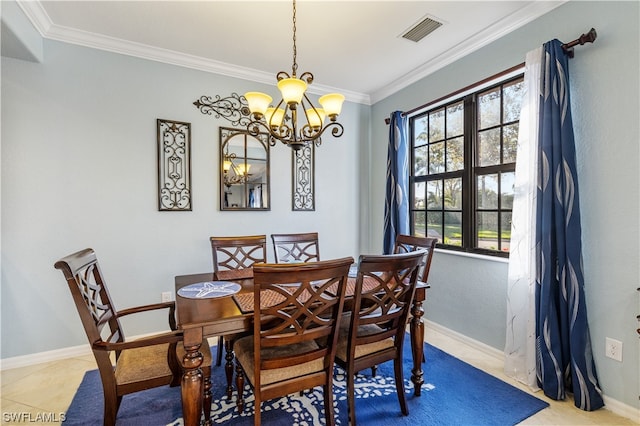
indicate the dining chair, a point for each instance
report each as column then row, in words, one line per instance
column 233, row 259
column 408, row 243
column 125, row 366
column 294, row 248
column 383, row 293
column 297, row 311
column 234, row 256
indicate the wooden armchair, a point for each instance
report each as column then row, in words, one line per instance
column 376, row 329
column 296, row 247
column 140, row 364
column 297, row 311
column 233, row 259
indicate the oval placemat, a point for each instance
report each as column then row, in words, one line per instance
column 209, row 290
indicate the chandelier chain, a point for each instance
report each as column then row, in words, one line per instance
column 294, row 68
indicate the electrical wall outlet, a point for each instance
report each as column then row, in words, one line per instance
column 613, row 349
column 167, row 296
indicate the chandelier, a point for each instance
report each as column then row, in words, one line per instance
column 294, row 121
column 234, row 173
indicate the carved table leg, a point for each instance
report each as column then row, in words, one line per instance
column 206, row 401
column 228, row 367
column 192, row 380
column 240, row 387
column 417, row 344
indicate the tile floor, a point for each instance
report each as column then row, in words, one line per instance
column 57, row 381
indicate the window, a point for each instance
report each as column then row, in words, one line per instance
column 463, row 169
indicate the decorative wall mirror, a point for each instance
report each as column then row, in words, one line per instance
column 244, row 170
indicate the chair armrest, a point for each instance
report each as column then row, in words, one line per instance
column 145, row 308
column 156, row 339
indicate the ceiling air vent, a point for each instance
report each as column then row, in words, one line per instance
column 422, row 29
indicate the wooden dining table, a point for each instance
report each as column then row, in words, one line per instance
column 210, row 317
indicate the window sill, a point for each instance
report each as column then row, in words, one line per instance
column 473, row 255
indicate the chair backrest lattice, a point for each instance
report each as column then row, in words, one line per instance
column 409, row 243
column 90, row 294
column 233, row 257
column 302, row 247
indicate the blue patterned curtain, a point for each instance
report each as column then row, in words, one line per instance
column 396, row 206
column 565, row 360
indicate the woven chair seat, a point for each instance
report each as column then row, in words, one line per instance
column 139, row 364
column 361, row 350
column 146, row 363
column 244, row 354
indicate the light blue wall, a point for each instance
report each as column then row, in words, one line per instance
column 79, row 170
column 468, row 295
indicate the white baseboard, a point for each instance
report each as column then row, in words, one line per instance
column 47, row 356
column 482, row 347
column 611, row 404
column 621, row 408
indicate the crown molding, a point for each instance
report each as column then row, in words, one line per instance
column 42, row 22
column 494, row 32
column 37, row 15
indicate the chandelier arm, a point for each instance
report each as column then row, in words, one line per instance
column 307, row 76
column 282, row 75
column 306, row 104
column 336, row 131
column 309, row 132
column 283, row 130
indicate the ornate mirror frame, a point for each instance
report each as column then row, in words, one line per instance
column 244, row 171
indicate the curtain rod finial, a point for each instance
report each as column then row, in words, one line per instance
column 589, row 37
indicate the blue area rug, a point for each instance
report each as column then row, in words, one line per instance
column 454, row 393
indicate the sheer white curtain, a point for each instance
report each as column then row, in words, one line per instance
column 520, row 362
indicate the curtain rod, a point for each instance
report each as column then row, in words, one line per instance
column 566, row 47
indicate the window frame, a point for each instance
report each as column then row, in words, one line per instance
column 471, row 171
